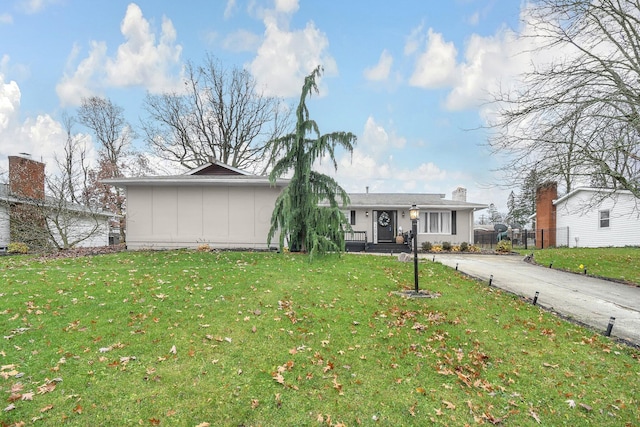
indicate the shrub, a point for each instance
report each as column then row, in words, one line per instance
column 204, row 248
column 446, row 246
column 464, row 247
column 436, row 248
column 426, row 246
column 503, row 246
column 455, row 248
column 18, row 248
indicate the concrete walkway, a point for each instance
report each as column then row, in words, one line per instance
column 588, row 300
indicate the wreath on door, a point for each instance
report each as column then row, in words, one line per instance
column 384, row 219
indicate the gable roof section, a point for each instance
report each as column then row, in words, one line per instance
column 216, row 168
column 595, row 192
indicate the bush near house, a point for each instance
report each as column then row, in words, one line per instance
column 504, row 246
column 18, row 248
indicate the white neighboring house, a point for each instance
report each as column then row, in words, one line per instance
column 26, row 189
column 613, row 221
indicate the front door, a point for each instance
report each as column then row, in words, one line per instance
column 386, row 226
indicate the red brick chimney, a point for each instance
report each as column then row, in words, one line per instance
column 26, row 178
column 546, row 214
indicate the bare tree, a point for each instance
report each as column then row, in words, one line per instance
column 114, row 136
column 221, row 114
column 71, row 218
column 576, row 119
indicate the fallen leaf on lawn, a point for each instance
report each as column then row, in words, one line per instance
column 78, row 409
column 449, row 405
column 10, row 408
column 154, row 421
column 27, row 396
column 204, row 425
column 337, row 385
column 14, row 396
column 16, row 388
column 255, row 403
column 548, row 365
column 278, row 378
column 173, row 350
column 46, row 408
column 571, row 402
column 586, row 407
column 46, row 388
column 535, row 416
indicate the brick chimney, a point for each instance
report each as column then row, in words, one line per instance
column 26, row 177
column 546, row 214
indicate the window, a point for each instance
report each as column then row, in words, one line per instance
column 352, row 218
column 604, row 219
column 438, row 223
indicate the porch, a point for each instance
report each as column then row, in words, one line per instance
column 356, row 241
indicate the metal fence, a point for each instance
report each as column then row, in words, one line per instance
column 525, row 239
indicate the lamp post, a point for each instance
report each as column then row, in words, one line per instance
column 414, row 213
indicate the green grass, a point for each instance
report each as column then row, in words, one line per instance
column 614, row 263
column 186, row 338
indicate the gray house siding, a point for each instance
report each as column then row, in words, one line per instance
column 164, row 217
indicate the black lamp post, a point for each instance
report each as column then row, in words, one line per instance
column 414, row 214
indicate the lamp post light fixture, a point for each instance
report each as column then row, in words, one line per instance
column 414, row 214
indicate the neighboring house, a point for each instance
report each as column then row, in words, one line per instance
column 24, row 197
column 225, row 207
column 588, row 217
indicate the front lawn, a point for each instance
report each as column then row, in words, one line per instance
column 614, row 263
column 188, row 338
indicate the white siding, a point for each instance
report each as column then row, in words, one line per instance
column 583, row 221
column 5, row 234
column 164, row 217
column 94, row 231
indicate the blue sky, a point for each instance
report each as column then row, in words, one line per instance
column 410, row 77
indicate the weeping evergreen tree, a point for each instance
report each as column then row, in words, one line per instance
column 307, row 226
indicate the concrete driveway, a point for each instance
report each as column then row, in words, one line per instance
column 588, row 300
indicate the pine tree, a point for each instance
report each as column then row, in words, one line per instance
column 307, row 226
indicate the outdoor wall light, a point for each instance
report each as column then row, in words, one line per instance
column 366, row 213
column 402, row 214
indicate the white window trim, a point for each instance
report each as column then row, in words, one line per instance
column 608, row 219
column 427, row 228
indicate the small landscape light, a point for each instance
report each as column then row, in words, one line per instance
column 535, row 298
column 612, row 320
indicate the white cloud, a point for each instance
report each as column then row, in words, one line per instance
column 436, row 66
column 285, row 57
column 228, row 10
column 41, row 136
column 373, row 165
column 414, row 40
column 82, row 83
column 287, row 6
column 6, row 18
column 382, row 69
column 242, row 41
column 34, row 6
column 140, row 61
